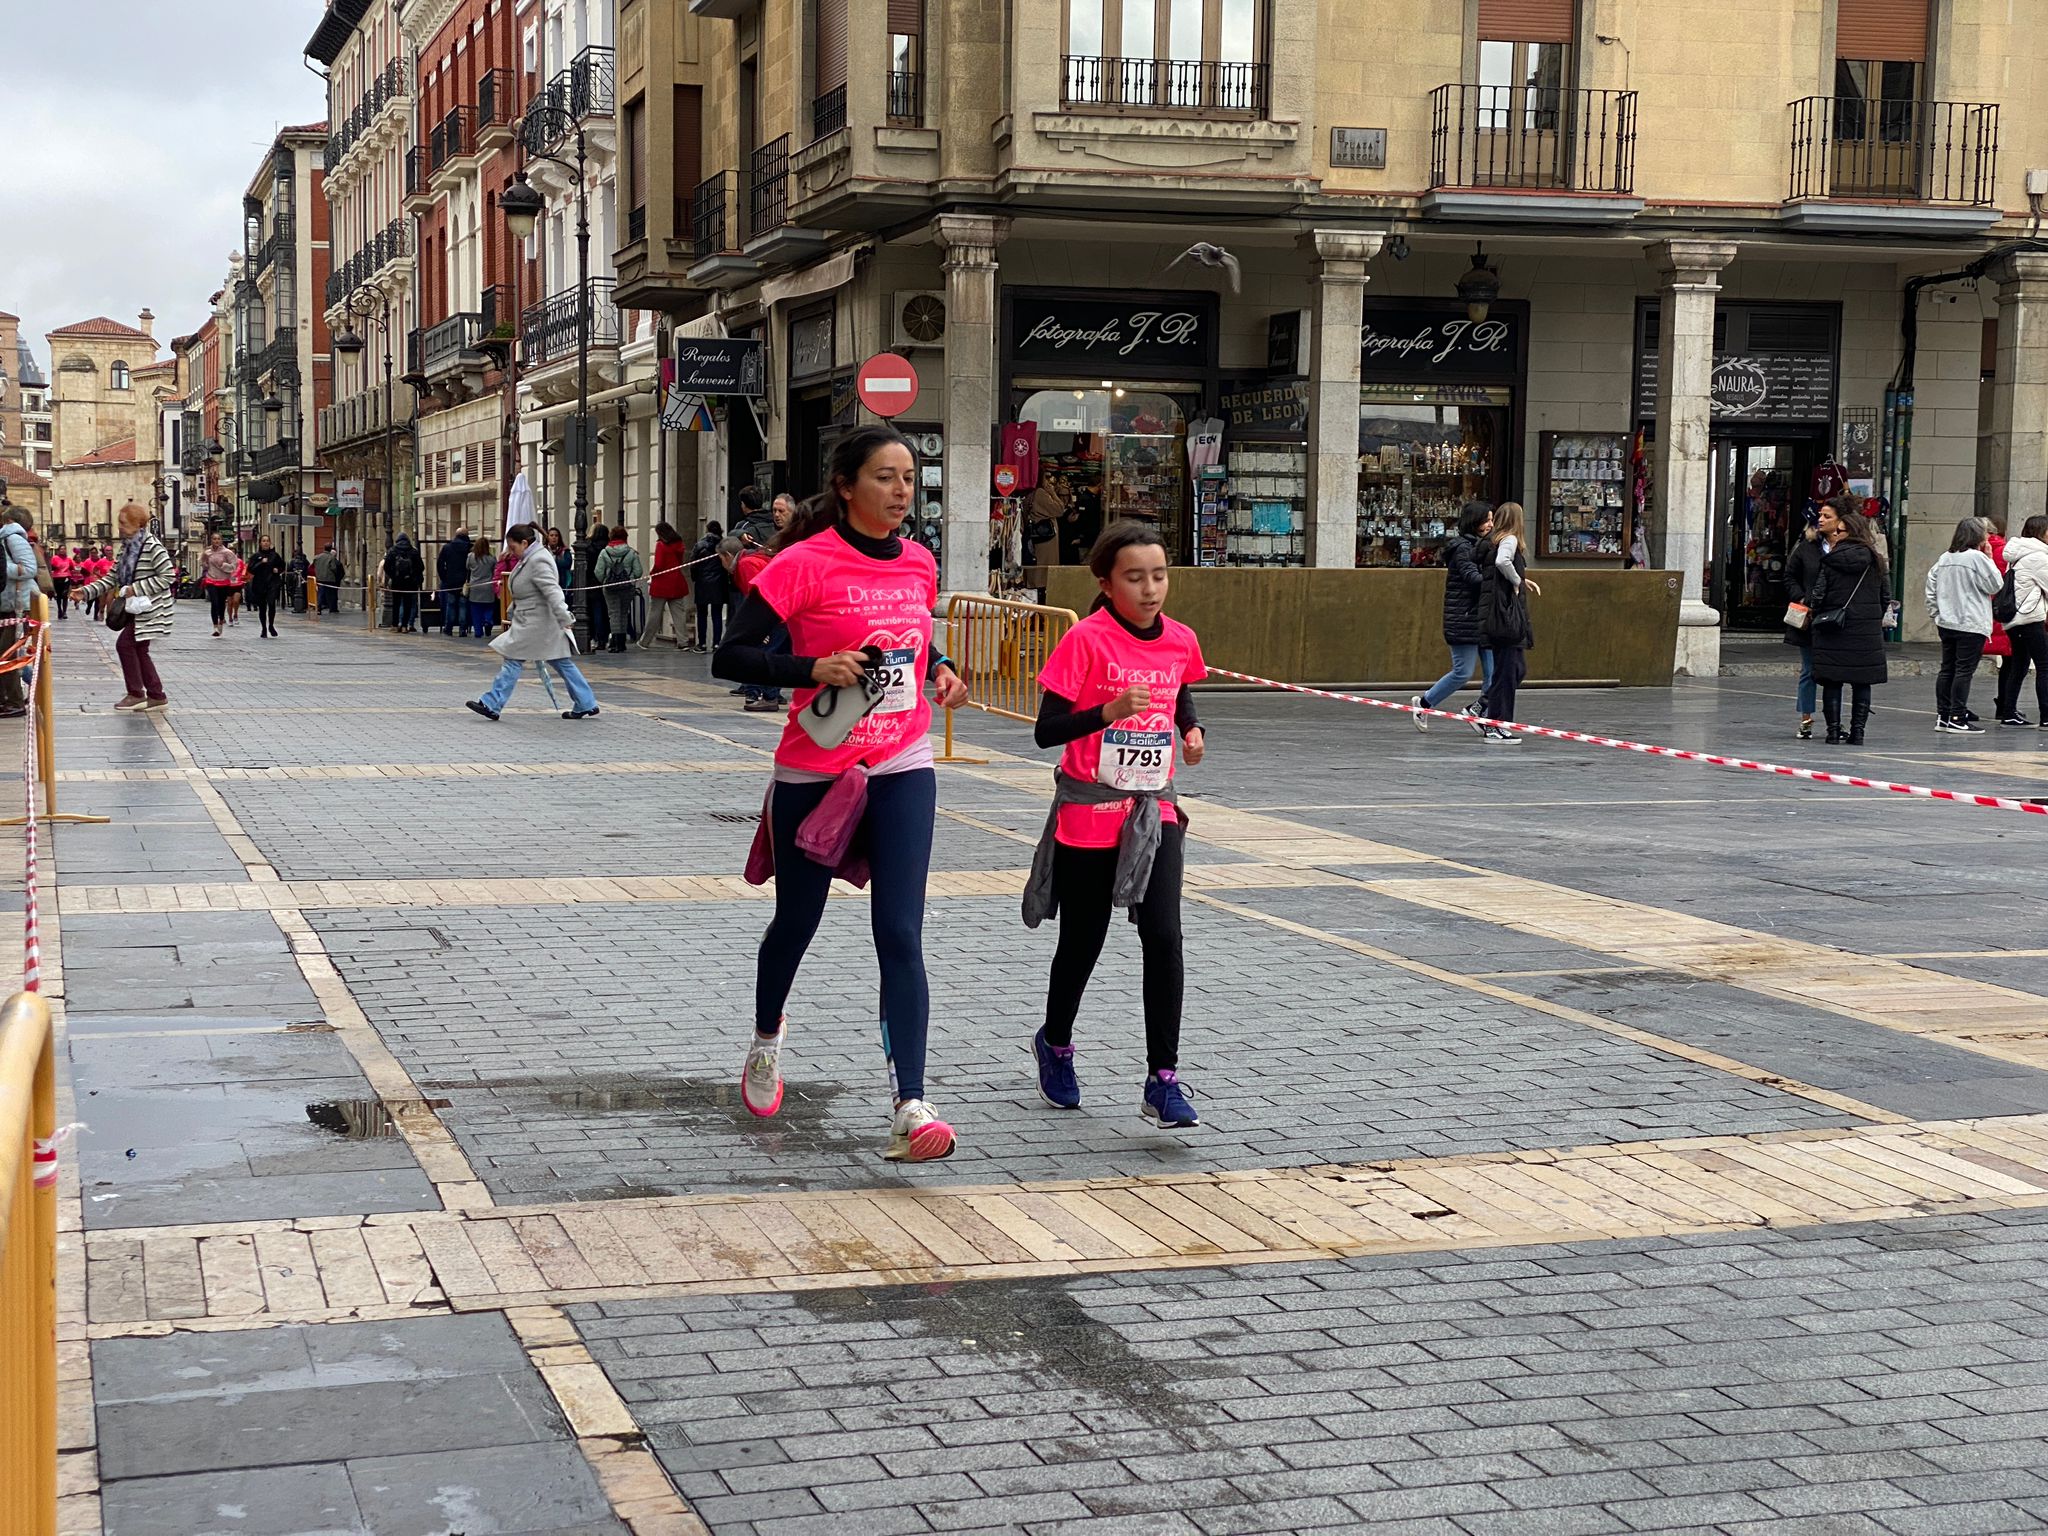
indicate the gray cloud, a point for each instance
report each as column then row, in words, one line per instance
column 131, row 129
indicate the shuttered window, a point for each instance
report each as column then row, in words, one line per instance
column 831, row 45
column 688, row 144
column 1893, row 30
column 1528, row 21
column 636, row 152
column 906, row 18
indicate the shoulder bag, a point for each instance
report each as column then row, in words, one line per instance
column 1835, row 618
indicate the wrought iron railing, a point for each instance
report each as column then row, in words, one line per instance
column 1191, row 86
column 585, row 88
column 768, row 189
column 391, row 85
column 391, row 243
column 828, row 113
column 547, row 331
column 1530, row 138
column 636, row 224
column 453, row 138
column 906, row 96
column 278, row 352
column 278, row 245
column 495, row 99
column 712, row 209
column 1905, row 151
column 282, row 454
column 415, row 170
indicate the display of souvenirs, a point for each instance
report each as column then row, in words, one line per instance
column 1262, row 521
column 1409, row 497
column 1585, row 496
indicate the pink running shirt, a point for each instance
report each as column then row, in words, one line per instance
column 1094, row 662
column 834, row 598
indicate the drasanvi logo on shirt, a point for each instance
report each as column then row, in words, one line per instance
column 1151, row 677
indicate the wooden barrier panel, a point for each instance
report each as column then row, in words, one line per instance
column 28, row 1270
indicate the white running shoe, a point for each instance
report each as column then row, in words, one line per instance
column 1471, row 714
column 917, row 1135
column 1421, row 720
column 761, row 1077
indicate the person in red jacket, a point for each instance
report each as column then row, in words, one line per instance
column 1999, row 646
column 745, row 563
column 668, row 588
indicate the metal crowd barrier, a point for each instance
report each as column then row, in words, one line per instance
column 28, row 1269
column 999, row 647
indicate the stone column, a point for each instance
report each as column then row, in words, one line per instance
column 2016, row 453
column 972, row 411
column 1338, row 280
column 1679, row 538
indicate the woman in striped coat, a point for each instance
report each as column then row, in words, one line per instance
column 142, row 569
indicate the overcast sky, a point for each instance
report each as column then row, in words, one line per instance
column 131, row 129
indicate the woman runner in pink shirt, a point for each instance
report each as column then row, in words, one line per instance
column 857, row 601
column 1115, row 694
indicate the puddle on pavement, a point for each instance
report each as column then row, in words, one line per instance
column 1039, row 1328
column 353, row 1119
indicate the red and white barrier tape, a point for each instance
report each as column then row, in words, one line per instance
column 31, row 929
column 1713, row 759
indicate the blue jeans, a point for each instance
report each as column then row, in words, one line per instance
column 896, row 834
column 580, row 696
column 1806, row 680
column 483, row 613
column 778, row 645
column 1463, row 659
column 405, row 609
column 452, row 615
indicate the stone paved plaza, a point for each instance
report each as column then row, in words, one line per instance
column 1591, row 1143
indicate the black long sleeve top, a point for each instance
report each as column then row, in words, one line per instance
column 1059, row 722
column 746, row 654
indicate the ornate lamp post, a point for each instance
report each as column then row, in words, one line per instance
column 372, row 306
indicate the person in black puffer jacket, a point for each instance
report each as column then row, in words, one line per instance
column 451, row 572
column 1848, row 601
column 1802, row 569
column 1462, row 583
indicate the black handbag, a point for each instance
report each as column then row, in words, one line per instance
column 1835, row 618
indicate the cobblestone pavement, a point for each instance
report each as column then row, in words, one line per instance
column 1590, row 1143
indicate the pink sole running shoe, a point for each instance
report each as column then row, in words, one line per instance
column 919, row 1136
column 761, row 1077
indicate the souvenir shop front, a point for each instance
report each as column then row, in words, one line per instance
column 1105, row 391
column 1772, row 444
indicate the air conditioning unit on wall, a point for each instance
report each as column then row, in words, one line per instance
column 919, row 318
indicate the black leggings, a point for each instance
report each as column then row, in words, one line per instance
column 2029, row 647
column 896, row 834
column 217, row 598
column 266, row 613
column 1082, row 878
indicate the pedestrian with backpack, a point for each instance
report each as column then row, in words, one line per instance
column 2025, row 596
column 618, row 572
column 1960, row 586
column 404, row 571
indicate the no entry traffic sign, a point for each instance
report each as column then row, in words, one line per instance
column 887, row 384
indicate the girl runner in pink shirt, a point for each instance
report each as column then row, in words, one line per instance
column 1115, row 694
column 857, row 601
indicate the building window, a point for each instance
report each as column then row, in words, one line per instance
column 906, row 64
column 117, row 376
column 1184, row 55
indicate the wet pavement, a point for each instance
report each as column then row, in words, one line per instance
column 262, row 1087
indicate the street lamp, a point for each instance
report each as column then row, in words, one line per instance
column 371, row 306
column 521, row 205
column 1479, row 287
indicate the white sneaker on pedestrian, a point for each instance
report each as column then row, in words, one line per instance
column 761, row 1077
column 917, row 1135
column 1471, row 714
column 1500, row 736
column 1421, row 720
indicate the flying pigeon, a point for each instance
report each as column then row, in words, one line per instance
column 1214, row 257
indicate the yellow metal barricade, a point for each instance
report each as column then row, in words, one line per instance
column 28, row 1270
column 999, row 647
column 44, row 702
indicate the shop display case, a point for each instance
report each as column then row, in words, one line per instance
column 1262, row 519
column 1582, row 503
column 1409, row 495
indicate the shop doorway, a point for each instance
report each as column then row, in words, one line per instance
column 1760, row 484
column 811, row 435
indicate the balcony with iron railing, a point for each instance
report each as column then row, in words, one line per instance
column 828, row 113
column 391, row 244
column 442, row 347
column 1177, row 87
column 1512, row 152
column 451, row 139
column 418, row 195
column 586, row 88
column 717, row 234
column 636, row 224
column 279, row 245
column 1900, row 165
column 390, row 86
column 548, row 330
column 906, row 96
column 497, row 116
column 768, row 189
column 279, row 351
column 269, row 459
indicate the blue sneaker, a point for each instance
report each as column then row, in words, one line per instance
column 1056, row 1082
column 1166, row 1102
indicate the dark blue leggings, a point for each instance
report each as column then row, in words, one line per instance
column 896, row 834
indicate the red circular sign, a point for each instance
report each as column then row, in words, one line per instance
column 1005, row 479
column 887, row 384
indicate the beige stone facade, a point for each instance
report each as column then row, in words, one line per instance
column 105, row 425
column 1699, row 217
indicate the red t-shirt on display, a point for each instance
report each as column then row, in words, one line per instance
column 1094, row 662
column 834, row 598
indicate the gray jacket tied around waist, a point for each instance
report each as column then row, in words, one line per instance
column 1136, row 846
